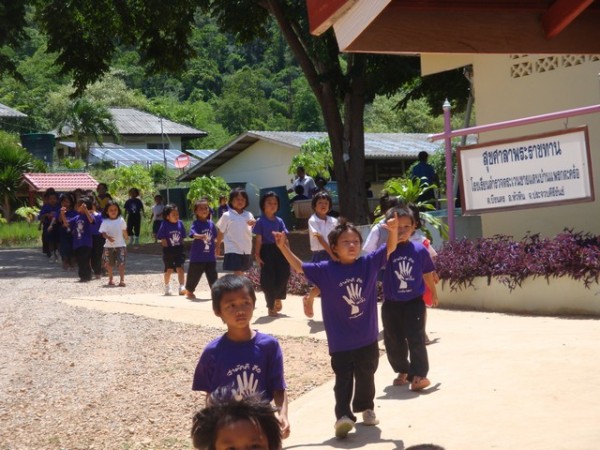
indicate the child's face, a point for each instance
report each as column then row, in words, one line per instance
column 241, row 435
column 236, row 308
column 52, row 200
column 173, row 216
column 238, row 202
column 348, row 246
column 157, row 200
column 202, row 211
column 222, row 201
column 101, row 189
column 406, row 227
column 322, row 207
column 65, row 203
column 112, row 211
column 271, row 206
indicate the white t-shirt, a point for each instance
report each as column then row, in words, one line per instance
column 377, row 236
column 114, row 228
column 307, row 183
column 157, row 211
column 237, row 233
column 323, row 227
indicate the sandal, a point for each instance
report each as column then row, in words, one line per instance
column 110, row 283
column 419, row 383
column 307, row 302
column 273, row 312
column 121, row 284
column 401, row 379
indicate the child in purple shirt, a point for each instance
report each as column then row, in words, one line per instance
column 81, row 230
column 349, row 306
column 171, row 235
column 202, row 254
column 274, row 269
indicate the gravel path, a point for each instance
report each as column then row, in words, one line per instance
column 73, row 378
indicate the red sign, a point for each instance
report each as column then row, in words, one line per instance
column 182, row 161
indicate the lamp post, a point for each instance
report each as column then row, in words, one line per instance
column 449, row 184
column 162, row 140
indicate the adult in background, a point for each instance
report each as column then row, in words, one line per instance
column 305, row 181
column 425, row 172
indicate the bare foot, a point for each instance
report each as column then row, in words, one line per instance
column 307, row 302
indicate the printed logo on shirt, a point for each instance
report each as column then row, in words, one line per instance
column 404, row 272
column 79, row 229
column 208, row 240
column 245, row 383
column 175, row 238
column 353, row 295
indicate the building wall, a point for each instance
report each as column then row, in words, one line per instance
column 510, row 87
column 172, row 142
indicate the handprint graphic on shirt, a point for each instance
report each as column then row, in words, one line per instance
column 79, row 229
column 175, row 239
column 353, row 298
column 246, row 385
column 403, row 272
column 207, row 239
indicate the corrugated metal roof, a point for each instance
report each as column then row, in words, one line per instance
column 62, row 182
column 6, row 111
column 133, row 121
column 129, row 156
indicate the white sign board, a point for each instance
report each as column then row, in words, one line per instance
column 526, row 172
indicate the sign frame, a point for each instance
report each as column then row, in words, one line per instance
column 586, row 175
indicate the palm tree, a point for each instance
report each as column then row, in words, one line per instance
column 14, row 161
column 87, row 122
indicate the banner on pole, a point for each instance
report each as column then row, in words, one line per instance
column 526, row 172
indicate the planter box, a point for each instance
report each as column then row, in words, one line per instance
column 559, row 296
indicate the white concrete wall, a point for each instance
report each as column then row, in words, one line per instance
column 261, row 165
column 499, row 97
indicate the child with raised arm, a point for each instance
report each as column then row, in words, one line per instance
column 274, row 269
column 320, row 225
column 81, row 231
column 409, row 268
column 171, row 235
column 245, row 360
column 114, row 230
column 202, row 254
column 349, row 307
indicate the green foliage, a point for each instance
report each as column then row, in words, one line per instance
column 209, row 187
column 73, row 163
column 123, row 178
column 315, row 156
column 14, row 162
column 29, row 213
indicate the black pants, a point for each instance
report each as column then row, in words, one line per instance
column 355, row 373
column 274, row 274
column 404, row 332
column 97, row 249
column 83, row 254
column 134, row 223
column 195, row 271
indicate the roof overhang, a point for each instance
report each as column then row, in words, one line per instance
column 465, row 26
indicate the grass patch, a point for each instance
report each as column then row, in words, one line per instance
column 20, row 234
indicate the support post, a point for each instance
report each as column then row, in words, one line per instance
column 449, row 166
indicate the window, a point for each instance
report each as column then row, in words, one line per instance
column 157, row 146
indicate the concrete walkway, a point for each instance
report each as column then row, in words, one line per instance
column 498, row 381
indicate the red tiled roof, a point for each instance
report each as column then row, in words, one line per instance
column 62, row 182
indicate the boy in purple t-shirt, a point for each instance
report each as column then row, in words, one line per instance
column 245, row 360
column 171, row 235
column 349, row 306
column 81, row 230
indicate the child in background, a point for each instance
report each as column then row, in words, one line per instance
column 48, row 211
column 349, row 307
column 171, row 235
column 157, row 215
column 230, row 422
column 97, row 241
column 102, row 196
column 274, row 269
column 235, row 228
column 245, row 360
column 202, row 254
column 320, row 225
column 133, row 213
column 65, row 238
column 223, row 208
column 299, row 190
column 114, row 230
column 81, row 231
column 408, row 270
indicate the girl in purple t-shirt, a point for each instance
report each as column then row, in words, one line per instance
column 274, row 269
column 171, row 235
column 349, row 307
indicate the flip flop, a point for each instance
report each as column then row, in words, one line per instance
column 110, row 283
column 121, row 284
column 401, row 380
column 308, row 306
column 419, row 383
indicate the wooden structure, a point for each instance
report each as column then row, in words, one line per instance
column 35, row 184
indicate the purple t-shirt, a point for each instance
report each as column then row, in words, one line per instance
column 264, row 227
column 203, row 250
column 134, row 206
column 97, row 222
column 222, row 210
column 81, row 229
column 348, row 299
column 249, row 367
column 48, row 209
column 403, row 277
column 174, row 233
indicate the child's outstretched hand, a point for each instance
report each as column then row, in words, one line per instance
column 251, row 222
column 110, row 238
column 392, row 223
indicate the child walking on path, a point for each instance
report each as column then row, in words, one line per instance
column 274, row 268
column 133, row 213
column 235, row 229
column 49, row 210
column 65, row 238
column 81, row 231
column 202, row 254
column 349, row 307
column 171, row 235
column 245, row 360
column 114, row 230
column 97, row 241
column 408, row 270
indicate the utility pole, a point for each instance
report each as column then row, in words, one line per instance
column 162, row 140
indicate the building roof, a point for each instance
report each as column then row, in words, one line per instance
column 121, row 156
column 132, row 121
column 62, row 182
column 6, row 111
column 377, row 146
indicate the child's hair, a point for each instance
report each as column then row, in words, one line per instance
column 299, row 189
column 108, row 205
column 342, row 226
column 401, row 212
column 238, row 191
column 222, row 197
column 87, row 201
column 226, row 408
column 169, row 208
column 134, row 191
column 157, row 197
column 66, row 196
column 322, row 195
column 416, row 214
column 104, row 185
column 230, row 283
column 388, row 201
column 264, row 198
column 49, row 193
column 202, row 201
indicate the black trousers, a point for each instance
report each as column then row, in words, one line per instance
column 96, row 256
column 195, row 271
column 404, row 332
column 83, row 257
column 134, row 223
column 355, row 374
column 274, row 274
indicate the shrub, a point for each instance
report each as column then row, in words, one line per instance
column 568, row 254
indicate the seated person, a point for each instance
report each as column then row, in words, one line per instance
column 299, row 190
